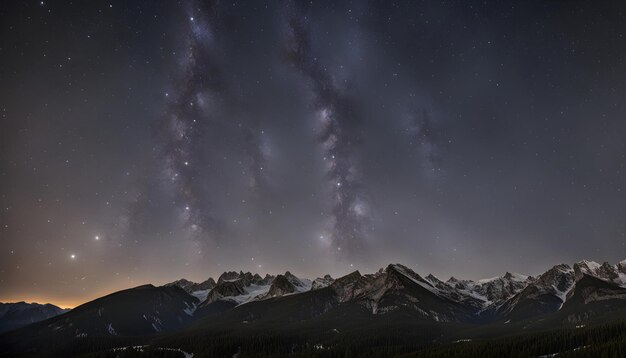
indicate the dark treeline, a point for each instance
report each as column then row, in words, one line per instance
column 599, row 341
column 607, row 340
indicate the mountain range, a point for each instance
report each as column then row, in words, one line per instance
column 18, row 314
column 423, row 308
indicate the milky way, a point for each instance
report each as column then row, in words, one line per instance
column 339, row 135
column 190, row 114
column 145, row 141
column 197, row 110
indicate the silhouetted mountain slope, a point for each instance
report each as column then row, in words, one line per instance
column 142, row 310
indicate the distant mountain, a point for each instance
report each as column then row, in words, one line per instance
column 234, row 289
column 191, row 287
column 14, row 315
column 286, row 284
column 322, row 282
column 138, row 311
column 393, row 298
column 199, row 290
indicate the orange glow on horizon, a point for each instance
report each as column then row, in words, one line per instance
column 41, row 300
column 59, row 301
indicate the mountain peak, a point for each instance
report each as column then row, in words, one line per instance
column 585, row 267
column 433, row 279
column 322, row 282
column 587, row 263
column 351, row 277
column 281, row 286
column 397, row 267
column 143, row 287
column 228, row 276
column 514, row 276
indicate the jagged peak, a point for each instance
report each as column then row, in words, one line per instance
column 490, row 279
column 280, row 278
column 397, row 267
column 562, row 267
column 513, row 276
column 556, row 270
column 321, row 282
column 349, row 277
column 587, row 263
column 228, row 275
column 183, row 280
column 402, row 270
column 508, row 276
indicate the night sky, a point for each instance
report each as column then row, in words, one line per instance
column 145, row 141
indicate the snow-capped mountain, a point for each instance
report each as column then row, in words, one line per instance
column 542, row 295
column 397, row 287
column 286, row 284
column 606, row 271
column 322, row 282
column 485, row 294
column 236, row 288
column 562, row 295
column 505, row 297
column 511, row 296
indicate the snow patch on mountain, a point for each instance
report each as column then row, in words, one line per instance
column 201, row 295
column 322, row 282
column 111, row 330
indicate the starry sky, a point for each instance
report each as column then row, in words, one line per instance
column 144, row 141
